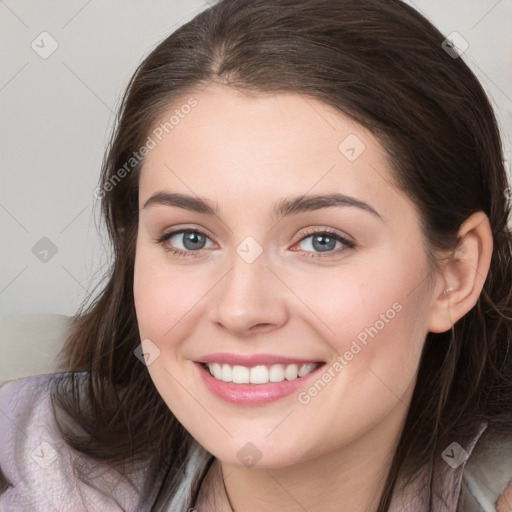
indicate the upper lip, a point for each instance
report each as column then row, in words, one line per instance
column 252, row 360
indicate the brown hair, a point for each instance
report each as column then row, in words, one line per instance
column 383, row 64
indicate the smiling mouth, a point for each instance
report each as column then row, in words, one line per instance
column 260, row 374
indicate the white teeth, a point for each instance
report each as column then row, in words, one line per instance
column 276, row 373
column 291, row 371
column 240, row 375
column 216, row 370
column 260, row 374
column 227, row 373
column 306, row 368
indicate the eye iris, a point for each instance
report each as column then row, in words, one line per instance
column 328, row 243
column 193, row 240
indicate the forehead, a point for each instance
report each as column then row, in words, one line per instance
column 255, row 147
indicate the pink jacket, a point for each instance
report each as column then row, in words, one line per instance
column 41, row 468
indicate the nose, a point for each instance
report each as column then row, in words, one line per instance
column 250, row 299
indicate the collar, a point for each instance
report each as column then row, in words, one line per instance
column 437, row 487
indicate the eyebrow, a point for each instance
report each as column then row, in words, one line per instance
column 283, row 208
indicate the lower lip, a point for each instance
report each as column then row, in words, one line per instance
column 253, row 394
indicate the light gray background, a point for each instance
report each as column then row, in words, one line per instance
column 56, row 115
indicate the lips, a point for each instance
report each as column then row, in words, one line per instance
column 243, row 379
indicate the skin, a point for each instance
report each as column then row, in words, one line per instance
column 244, row 153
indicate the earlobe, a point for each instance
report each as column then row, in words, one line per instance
column 463, row 274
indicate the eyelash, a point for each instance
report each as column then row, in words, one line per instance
column 306, row 233
column 303, row 235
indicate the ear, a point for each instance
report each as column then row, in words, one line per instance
column 462, row 275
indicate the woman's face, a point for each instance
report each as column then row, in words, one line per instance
column 305, row 252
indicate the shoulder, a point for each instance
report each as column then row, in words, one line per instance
column 39, row 469
column 26, row 415
column 20, row 395
column 27, row 409
column 487, row 478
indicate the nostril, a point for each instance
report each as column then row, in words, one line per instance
column 259, row 327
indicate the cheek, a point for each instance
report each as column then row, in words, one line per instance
column 376, row 328
column 372, row 316
column 164, row 304
column 348, row 301
column 149, row 298
column 164, row 295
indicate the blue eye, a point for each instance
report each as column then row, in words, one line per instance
column 192, row 240
column 324, row 241
column 318, row 243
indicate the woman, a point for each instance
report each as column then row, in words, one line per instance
column 309, row 306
